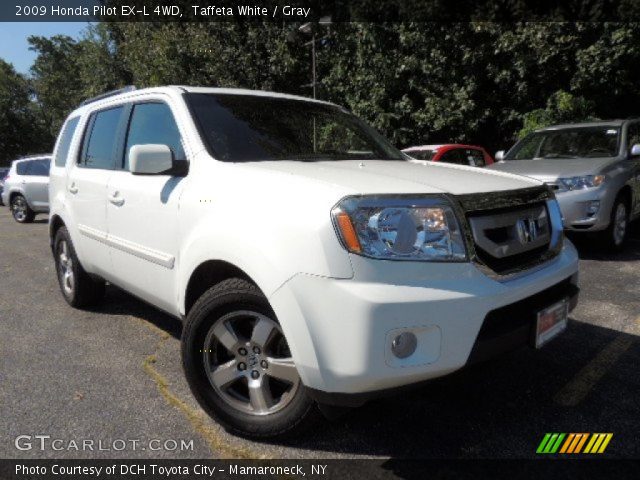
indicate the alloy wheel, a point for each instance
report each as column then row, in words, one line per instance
column 620, row 224
column 248, row 363
column 67, row 278
column 19, row 209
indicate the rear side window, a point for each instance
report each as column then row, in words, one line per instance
column 100, row 143
column 153, row 123
column 39, row 168
column 65, row 141
column 22, row 168
column 422, row 154
column 34, row 168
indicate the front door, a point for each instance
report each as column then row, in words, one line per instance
column 142, row 212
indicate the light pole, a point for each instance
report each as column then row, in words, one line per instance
column 307, row 28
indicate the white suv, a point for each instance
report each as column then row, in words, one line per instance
column 313, row 264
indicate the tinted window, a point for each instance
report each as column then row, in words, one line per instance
column 245, row 128
column 34, row 167
column 65, row 141
column 454, row 156
column 100, row 144
column 475, row 158
column 422, row 154
column 153, row 123
column 39, row 167
column 22, row 168
column 568, row 143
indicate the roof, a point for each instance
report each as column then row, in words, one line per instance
column 599, row 123
column 179, row 89
column 34, row 157
column 438, row 147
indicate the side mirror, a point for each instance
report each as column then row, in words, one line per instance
column 499, row 155
column 151, row 159
column 635, row 150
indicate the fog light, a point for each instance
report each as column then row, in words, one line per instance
column 593, row 207
column 404, row 345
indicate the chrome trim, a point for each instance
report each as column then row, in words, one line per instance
column 154, row 256
column 488, row 202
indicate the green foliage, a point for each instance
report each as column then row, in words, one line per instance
column 20, row 123
column 417, row 83
column 562, row 107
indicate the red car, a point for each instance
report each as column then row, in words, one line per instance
column 471, row 155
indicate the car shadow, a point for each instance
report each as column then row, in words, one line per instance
column 590, row 248
column 501, row 408
column 118, row 302
column 583, row 381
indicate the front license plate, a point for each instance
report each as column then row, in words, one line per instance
column 551, row 322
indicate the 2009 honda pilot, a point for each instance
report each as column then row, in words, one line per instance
column 312, row 263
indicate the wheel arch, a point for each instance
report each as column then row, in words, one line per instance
column 208, row 274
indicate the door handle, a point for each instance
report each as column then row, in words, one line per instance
column 116, row 199
column 73, row 189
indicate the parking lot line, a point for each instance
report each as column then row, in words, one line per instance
column 196, row 418
column 586, row 379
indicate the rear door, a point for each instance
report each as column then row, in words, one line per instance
column 142, row 212
column 87, row 187
column 36, row 183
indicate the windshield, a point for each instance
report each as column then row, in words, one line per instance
column 249, row 128
column 568, row 143
column 421, row 154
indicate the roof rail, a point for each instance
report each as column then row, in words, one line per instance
column 128, row 88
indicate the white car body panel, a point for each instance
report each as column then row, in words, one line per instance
column 272, row 221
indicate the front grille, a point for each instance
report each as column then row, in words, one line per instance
column 511, row 231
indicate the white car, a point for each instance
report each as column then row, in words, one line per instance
column 312, row 264
column 25, row 188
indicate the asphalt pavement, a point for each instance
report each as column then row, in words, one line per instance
column 112, row 376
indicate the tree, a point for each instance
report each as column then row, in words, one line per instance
column 22, row 130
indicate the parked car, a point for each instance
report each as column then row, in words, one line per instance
column 594, row 169
column 3, row 174
column 26, row 188
column 470, row 155
column 312, row 264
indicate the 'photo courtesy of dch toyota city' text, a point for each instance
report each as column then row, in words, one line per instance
column 320, row 244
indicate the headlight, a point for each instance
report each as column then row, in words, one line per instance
column 579, row 183
column 400, row 228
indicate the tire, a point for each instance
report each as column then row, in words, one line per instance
column 20, row 209
column 229, row 377
column 78, row 288
column 615, row 236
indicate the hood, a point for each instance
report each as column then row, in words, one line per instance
column 380, row 177
column 550, row 169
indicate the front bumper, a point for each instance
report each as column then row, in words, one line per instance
column 574, row 205
column 340, row 331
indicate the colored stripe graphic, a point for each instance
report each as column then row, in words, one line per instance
column 573, row 443
column 581, row 442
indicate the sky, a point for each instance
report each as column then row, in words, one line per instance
column 13, row 39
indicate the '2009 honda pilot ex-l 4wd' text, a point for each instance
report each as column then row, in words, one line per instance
column 312, row 263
